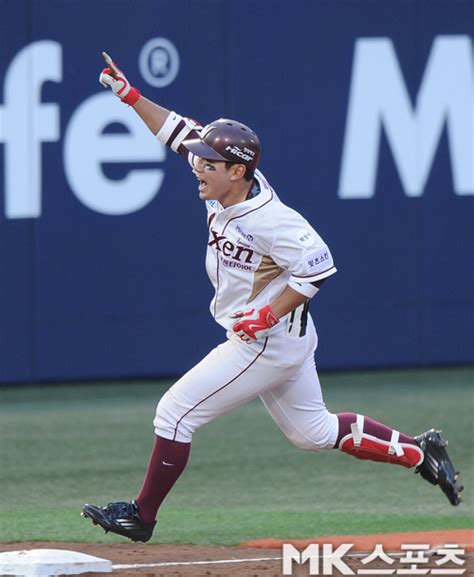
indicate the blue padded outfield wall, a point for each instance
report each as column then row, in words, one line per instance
column 365, row 113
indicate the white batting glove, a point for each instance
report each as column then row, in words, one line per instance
column 114, row 78
column 254, row 324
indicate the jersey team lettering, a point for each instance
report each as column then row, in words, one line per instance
column 235, row 264
column 228, row 248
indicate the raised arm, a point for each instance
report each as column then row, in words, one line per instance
column 170, row 128
column 152, row 114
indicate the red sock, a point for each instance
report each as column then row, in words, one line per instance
column 167, row 462
column 371, row 427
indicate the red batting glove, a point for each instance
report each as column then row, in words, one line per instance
column 254, row 324
column 112, row 76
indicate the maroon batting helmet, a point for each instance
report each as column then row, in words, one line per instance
column 227, row 140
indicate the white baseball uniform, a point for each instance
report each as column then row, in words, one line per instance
column 255, row 250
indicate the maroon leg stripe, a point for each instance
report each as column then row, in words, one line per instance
column 219, row 389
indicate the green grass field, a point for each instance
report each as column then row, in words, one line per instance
column 64, row 445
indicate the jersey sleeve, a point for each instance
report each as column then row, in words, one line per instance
column 175, row 130
column 299, row 249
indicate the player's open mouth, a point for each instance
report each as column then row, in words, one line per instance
column 202, row 184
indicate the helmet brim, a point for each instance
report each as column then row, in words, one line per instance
column 199, row 148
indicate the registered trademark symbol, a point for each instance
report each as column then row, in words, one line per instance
column 159, row 62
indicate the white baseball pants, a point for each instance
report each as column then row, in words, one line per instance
column 280, row 369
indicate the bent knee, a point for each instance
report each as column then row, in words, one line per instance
column 308, row 444
column 170, row 420
column 318, row 437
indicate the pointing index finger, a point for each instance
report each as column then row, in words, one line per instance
column 111, row 64
column 107, row 58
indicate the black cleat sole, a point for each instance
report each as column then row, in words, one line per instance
column 100, row 517
column 437, row 467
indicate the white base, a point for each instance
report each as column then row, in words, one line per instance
column 45, row 562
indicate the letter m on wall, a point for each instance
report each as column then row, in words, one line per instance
column 379, row 99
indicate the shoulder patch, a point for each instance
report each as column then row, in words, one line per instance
column 318, row 261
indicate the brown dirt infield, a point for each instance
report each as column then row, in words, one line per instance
column 129, row 553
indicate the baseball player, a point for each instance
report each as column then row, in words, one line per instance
column 265, row 262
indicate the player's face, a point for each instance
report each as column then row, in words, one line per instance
column 215, row 182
